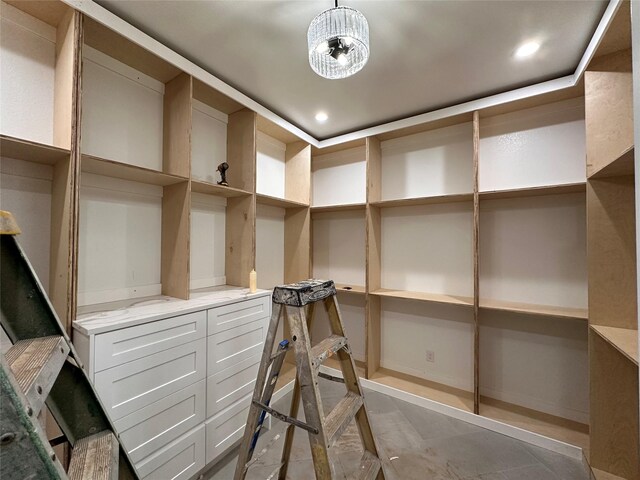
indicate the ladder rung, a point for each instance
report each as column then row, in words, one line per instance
column 369, row 467
column 35, row 364
column 340, row 417
column 95, row 457
column 326, row 348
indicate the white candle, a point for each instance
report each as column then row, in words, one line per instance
column 253, row 281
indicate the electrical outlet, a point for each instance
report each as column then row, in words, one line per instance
column 431, row 356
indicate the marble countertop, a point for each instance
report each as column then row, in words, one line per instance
column 105, row 317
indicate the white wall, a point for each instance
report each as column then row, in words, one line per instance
column 207, row 249
column 543, row 145
column 270, row 166
column 25, row 191
column 536, row 362
column 122, row 112
column 437, row 162
column 410, row 328
column 352, row 311
column 27, row 68
column 428, row 248
column 208, row 142
column 339, row 247
column 339, row 178
column 120, row 239
column 270, row 246
column 533, row 250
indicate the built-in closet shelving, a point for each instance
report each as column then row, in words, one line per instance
column 613, row 320
column 459, row 247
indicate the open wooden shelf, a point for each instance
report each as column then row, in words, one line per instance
column 111, row 168
column 437, row 392
column 338, row 208
column 623, row 165
column 403, row 202
column 532, row 309
column 535, row 191
column 349, row 288
column 200, row 186
column 12, row 147
column 625, row 340
column 278, row 202
column 425, row 297
column 558, row 428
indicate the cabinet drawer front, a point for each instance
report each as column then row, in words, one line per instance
column 180, row 460
column 232, row 346
column 226, row 428
column 128, row 344
column 150, row 428
column 129, row 387
column 232, row 384
column 223, row 318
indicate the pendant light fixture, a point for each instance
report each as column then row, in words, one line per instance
column 338, row 40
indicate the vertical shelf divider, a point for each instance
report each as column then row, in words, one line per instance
column 476, row 272
column 373, row 257
column 240, row 227
column 176, row 199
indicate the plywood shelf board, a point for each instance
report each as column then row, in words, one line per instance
column 534, row 191
column 214, row 99
column 558, row 428
column 12, row 147
column 337, row 208
column 424, row 388
column 531, row 309
column 49, row 12
column 219, row 190
column 111, row 168
column 624, row 340
column 278, row 202
column 425, row 297
column 275, row 131
column 349, row 288
column 403, row 202
column 622, row 165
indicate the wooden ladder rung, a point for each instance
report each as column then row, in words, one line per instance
column 340, row 417
column 35, row 364
column 369, row 467
column 326, row 348
column 95, row 457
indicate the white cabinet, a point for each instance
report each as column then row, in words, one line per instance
column 177, row 383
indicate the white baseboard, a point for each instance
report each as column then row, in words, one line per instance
column 484, row 422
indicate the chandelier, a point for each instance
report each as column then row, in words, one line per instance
column 338, row 41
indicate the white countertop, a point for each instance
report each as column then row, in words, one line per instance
column 105, row 317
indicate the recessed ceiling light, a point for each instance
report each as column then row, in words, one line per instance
column 321, row 117
column 527, row 49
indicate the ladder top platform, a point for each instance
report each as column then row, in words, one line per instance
column 304, row 292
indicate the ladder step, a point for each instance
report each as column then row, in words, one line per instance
column 369, row 467
column 340, row 417
column 35, row 364
column 95, row 457
column 326, row 348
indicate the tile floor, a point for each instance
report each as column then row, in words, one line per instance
column 416, row 444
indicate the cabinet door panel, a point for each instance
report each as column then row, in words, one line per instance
column 121, row 346
column 150, row 428
column 129, row 387
column 232, row 346
column 180, row 460
column 231, row 384
column 229, row 316
column 226, row 428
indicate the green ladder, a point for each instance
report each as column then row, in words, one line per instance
column 296, row 302
column 42, row 368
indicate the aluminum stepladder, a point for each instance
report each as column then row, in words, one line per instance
column 296, row 303
column 41, row 368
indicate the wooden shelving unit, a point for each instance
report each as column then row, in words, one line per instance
column 613, row 318
column 440, row 243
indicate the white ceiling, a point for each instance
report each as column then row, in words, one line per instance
column 424, row 54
